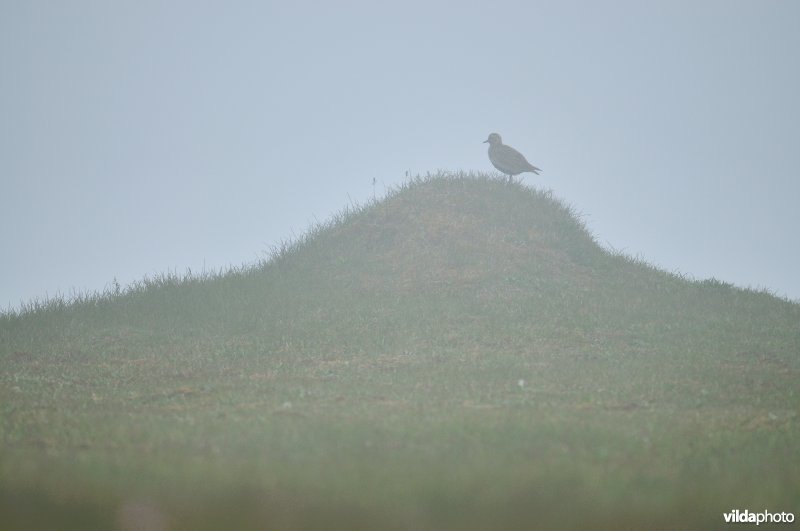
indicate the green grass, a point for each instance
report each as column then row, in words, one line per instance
column 459, row 355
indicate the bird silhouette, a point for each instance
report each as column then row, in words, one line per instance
column 507, row 159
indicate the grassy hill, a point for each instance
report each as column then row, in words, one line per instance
column 459, row 355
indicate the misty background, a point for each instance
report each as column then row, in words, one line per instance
column 143, row 137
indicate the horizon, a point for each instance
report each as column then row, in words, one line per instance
column 320, row 230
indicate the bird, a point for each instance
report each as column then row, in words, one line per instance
column 507, row 159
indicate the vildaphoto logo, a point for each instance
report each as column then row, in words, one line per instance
column 764, row 517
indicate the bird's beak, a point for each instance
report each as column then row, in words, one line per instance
column 485, row 141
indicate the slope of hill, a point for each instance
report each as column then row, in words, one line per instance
column 461, row 354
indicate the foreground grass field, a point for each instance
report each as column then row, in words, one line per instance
column 460, row 355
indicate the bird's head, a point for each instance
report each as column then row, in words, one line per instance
column 493, row 139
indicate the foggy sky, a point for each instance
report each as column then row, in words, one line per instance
column 138, row 137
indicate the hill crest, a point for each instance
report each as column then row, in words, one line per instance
column 462, row 235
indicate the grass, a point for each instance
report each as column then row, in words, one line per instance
column 458, row 355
